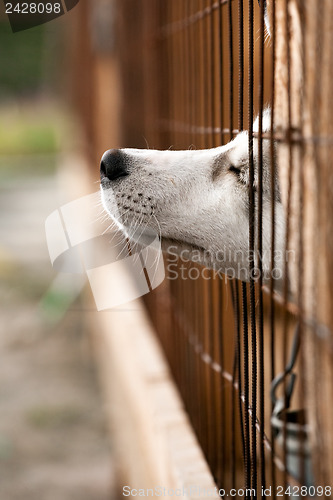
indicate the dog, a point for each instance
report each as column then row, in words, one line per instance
column 198, row 202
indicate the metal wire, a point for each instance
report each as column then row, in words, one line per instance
column 260, row 249
column 272, row 192
column 220, row 342
column 287, row 236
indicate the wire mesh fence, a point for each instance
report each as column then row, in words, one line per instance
column 253, row 364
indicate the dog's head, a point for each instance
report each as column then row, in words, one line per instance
column 195, row 199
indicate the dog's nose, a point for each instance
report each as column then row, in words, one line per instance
column 113, row 164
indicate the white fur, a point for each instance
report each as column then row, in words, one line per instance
column 177, row 194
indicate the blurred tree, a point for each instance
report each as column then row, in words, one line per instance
column 21, row 60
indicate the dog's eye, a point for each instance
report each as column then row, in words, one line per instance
column 234, row 169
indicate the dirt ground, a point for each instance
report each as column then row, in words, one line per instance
column 53, row 440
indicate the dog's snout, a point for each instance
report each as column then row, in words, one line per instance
column 113, row 165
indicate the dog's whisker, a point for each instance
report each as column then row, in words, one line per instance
column 158, row 257
column 146, row 142
column 158, row 225
column 102, row 217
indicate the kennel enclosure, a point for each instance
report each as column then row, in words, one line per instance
column 192, row 74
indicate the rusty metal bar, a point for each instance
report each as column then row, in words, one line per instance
column 272, row 316
column 252, row 251
column 260, row 249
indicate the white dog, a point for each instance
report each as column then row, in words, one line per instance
column 197, row 200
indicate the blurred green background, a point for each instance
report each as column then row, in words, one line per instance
column 52, row 435
column 32, row 120
column 23, row 58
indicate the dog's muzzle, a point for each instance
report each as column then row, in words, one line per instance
column 113, row 165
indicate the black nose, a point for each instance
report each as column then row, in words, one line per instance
column 113, row 164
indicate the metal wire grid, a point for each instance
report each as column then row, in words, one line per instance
column 202, row 72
